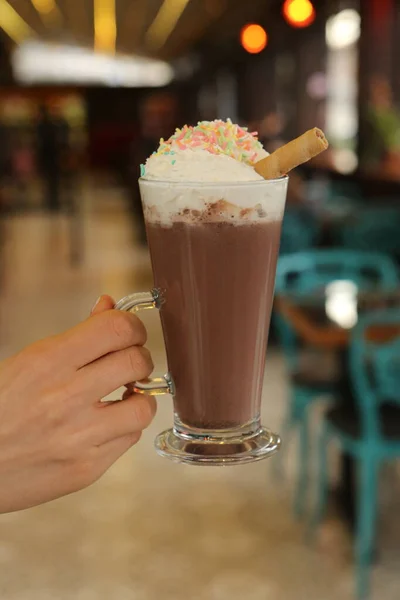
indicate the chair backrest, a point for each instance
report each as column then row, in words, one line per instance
column 304, row 272
column 344, row 198
column 299, row 230
column 308, row 271
column 349, row 190
column 376, row 227
column 375, row 365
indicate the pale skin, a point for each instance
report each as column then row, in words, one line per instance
column 56, row 436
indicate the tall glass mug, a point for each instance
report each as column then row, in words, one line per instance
column 214, row 249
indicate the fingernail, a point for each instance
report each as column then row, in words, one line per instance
column 95, row 304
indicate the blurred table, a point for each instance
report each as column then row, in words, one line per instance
column 324, row 319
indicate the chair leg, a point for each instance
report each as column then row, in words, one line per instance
column 366, row 523
column 302, row 481
column 322, row 481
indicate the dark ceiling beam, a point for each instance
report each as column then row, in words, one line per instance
column 132, row 19
column 78, row 16
column 6, row 74
column 200, row 16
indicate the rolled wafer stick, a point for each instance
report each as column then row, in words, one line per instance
column 293, row 154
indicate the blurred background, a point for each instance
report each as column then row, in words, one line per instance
column 87, row 88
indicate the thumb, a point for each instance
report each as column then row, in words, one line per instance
column 103, row 303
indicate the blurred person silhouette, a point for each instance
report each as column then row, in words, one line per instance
column 4, row 151
column 56, row 434
column 157, row 119
column 23, row 167
column 52, row 145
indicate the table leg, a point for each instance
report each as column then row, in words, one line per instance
column 346, row 493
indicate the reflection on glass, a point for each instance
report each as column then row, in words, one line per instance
column 341, row 303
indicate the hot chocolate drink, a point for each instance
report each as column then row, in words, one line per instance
column 218, row 282
column 215, row 267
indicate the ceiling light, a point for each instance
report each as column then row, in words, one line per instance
column 105, row 26
column 164, row 23
column 44, row 7
column 253, row 38
column 343, row 29
column 48, row 10
column 299, row 13
column 37, row 62
column 13, row 25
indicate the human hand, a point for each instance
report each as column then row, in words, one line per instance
column 56, row 437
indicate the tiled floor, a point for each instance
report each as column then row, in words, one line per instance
column 151, row 529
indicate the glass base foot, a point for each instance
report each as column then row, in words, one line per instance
column 198, row 450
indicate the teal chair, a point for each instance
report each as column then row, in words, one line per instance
column 299, row 230
column 344, row 198
column 306, row 272
column 376, row 227
column 371, row 434
column 346, row 190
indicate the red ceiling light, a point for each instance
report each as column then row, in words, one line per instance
column 253, row 38
column 299, row 13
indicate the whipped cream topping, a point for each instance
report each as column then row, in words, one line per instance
column 205, row 174
column 212, row 151
column 198, row 165
column 168, row 202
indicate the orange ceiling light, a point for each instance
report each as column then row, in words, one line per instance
column 253, row 38
column 299, row 13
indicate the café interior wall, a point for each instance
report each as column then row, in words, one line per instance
column 379, row 76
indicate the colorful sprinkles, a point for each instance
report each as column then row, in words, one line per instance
column 217, row 137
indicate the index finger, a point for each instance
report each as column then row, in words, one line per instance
column 101, row 334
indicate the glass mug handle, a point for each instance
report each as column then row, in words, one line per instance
column 154, row 386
